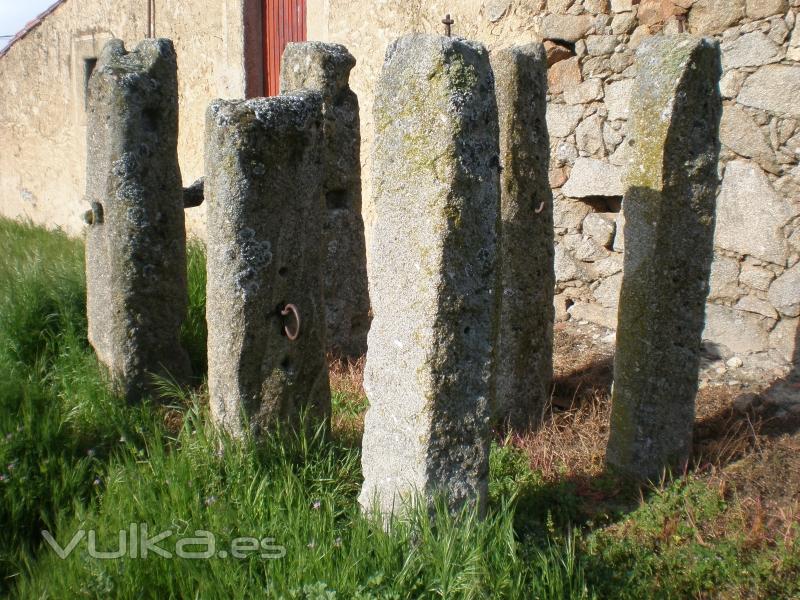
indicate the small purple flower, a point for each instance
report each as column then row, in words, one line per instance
column 312, row 544
column 211, row 500
column 97, row 481
column 317, row 504
column 337, row 542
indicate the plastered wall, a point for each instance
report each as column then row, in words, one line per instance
column 42, row 83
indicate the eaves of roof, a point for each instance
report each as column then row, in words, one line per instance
column 30, row 27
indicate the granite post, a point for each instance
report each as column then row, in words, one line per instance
column 669, row 229
column 525, row 350
column 136, row 244
column 434, row 276
column 325, row 68
column 266, row 322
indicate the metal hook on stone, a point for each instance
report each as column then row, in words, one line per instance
column 291, row 309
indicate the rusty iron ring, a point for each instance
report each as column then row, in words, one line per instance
column 291, row 309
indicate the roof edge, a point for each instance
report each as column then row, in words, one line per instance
column 31, row 26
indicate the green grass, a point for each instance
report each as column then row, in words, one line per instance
column 74, row 457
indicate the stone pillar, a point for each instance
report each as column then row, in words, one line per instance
column 263, row 188
column 434, row 275
column 136, row 244
column 325, row 68
column 669, row 228
column 525, row 349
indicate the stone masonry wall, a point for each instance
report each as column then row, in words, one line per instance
column 755, row 283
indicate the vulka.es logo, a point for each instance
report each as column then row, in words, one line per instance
column 135, row 542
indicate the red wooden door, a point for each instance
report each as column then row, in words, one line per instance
column 284, row 22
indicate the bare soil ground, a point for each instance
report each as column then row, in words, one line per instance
column 746, row 443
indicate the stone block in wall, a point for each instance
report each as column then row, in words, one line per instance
column 618, row 98
column 584, row 248
column 757, row 306
column 623, row 6
column 714, row 16
column 591, row 177
column 607, row 293
column 622, row 155
column 775, row 88
column 731, row 83
column 569, row 214
column 623, row 23
column 741, row 332
column 599, row 45
column 564, row 75
column 566, row 267
column 494, row 10
column 641, row 33
column 566, row 153
column 619, row 236
column 594, row 313
column 589, row 137
column 794, row 42
column 784, row 340
column 561, row 304
column 750, row 50
column 740, row 133
column 760, row 9
column 724, row 279
column 562, row 119
column 784, row 293
column 557, row 176
column 556, row 52
column 596, row 7
column 657, row 12
column 601, row 227
column 750, row 214
column 588, row 91
column 569, row 28
column 613, row 136
column 611, row 265
column 756, row 277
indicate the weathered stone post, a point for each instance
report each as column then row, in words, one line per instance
column 669, row 228
column 266, row 321
column 434, row 275
column 525, row 349
column 325, row 68
column 136, row 245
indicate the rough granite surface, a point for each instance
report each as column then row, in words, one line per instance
column 263, row 187
column 434, row 276
column 325, row 68
column 136, row 243
column 669, row 230
column 525, row 349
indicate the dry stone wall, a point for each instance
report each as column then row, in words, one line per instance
column 753, row 306
column 758, row 205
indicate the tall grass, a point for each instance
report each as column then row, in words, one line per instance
column 74, row 457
